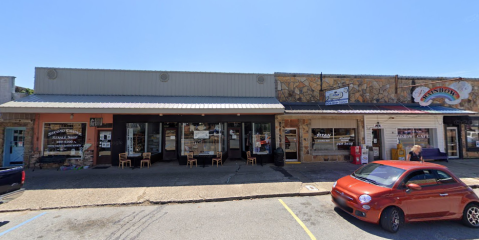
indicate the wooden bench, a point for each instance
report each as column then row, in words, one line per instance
column 60, row 160
column 431, row 154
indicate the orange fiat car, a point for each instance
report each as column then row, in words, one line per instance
column 390, row 193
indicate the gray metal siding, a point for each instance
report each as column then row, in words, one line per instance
column 147, row 83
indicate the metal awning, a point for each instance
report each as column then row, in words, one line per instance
column 385, row 108
column 143, row 104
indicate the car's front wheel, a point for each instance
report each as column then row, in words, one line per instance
column 390, row 219
column 470, row 216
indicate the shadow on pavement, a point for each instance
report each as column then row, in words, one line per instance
column 441, row 230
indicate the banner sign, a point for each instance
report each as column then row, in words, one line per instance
column 452, row 94
column 338, row 96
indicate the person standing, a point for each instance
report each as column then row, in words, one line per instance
column 415, row 154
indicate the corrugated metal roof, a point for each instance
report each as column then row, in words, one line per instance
column 320, row 108
column 142, row 104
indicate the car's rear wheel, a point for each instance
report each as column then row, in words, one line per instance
column 470, row 216
column 391, row 219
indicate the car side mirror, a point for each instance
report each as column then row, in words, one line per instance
column 413, row 186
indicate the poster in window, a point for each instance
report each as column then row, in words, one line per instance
column 201, row 135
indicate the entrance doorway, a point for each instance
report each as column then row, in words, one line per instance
column 234, row 142
column 291, row 144
column 14, row 147
column 452, row 142
column 377, row 143
column 104, row 147
column 169, row 144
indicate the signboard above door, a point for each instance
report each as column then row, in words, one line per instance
column 338, row 96
column 452, row 94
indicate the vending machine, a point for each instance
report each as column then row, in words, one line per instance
column 356, row 155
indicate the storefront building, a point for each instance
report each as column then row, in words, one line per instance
column 16, row 129
column 333, row 112
column 94, row 115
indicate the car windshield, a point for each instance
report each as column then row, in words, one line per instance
column 378, row 174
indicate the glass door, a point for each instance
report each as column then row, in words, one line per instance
column 291, row 144
column 452, row 142
column 234, row 138
column 169, row 152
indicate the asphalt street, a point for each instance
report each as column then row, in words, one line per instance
column 245, row 219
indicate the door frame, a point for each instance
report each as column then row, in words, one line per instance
column 5, row 144
column 240, row 144
column 165, row 152
column 457, row 142
column 297, row 145
column 97, row 140
column 380, row 142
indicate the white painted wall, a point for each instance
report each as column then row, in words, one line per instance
column 390, row 124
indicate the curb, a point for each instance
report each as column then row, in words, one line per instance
column 149, row 202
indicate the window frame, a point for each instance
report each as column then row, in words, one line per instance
column 471, row 149
column 329, row 152
column 43, row 133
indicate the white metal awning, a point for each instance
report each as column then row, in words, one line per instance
column 143, row 104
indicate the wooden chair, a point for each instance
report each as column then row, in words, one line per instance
column 218, row 159
column 123, row 159
column 190, row 160
column 250, row 159
column 146, row 159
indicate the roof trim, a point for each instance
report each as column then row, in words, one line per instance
column 156, row 71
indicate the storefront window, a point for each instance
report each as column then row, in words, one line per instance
column 154, row 138
column 332, row 139
column 472, row 134
column 63, row 138
column 135, row 138
column 201, row 138
column 261, row 138
column 409, row 137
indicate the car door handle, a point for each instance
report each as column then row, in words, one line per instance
column 443, row 194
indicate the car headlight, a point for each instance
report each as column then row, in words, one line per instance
column 334, row 184
column 365, row 198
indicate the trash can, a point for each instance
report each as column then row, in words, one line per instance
column 279, row 157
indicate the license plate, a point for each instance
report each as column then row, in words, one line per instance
column 341, row 201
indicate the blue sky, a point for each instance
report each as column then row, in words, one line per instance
column 420, row 38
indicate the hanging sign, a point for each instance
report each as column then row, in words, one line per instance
column 452, row 94
column 338, row 96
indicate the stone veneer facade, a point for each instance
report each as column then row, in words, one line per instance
column 362, row 89
column 303, row 125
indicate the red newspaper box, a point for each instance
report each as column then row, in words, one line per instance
column 356, row 155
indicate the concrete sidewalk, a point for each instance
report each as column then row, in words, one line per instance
column 172, row 183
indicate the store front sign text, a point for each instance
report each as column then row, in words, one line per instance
column 452, row 94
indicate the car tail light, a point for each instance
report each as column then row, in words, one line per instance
column 23, row 177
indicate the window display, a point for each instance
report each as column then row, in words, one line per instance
column 332, row 139
column 154, row 139
column 135, row 138
column 261, row 138
column 472, row 134
column 201, row 138
column 63, row 138
column 409, row 137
